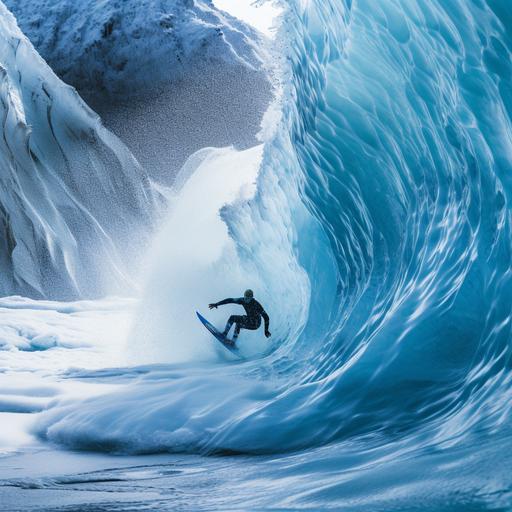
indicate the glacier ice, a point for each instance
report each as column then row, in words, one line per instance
column 73, row 197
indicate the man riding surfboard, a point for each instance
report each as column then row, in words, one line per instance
column 251, row 321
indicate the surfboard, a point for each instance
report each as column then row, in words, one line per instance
column 218, row 335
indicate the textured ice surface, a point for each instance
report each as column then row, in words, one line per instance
column 73, row 197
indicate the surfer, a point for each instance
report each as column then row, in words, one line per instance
column 251, row 321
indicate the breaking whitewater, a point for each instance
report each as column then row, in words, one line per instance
column 353, row 168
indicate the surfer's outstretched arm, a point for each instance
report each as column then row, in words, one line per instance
column 266, row 319
column 222, row 302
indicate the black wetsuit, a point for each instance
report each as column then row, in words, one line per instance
column 250, row 321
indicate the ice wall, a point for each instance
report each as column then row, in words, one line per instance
column 75, row 206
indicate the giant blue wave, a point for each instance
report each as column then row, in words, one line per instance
column 401, row 134
column 397, row 134
column 380, row 239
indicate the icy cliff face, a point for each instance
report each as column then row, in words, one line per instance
column 72, row 196
column 156, row 71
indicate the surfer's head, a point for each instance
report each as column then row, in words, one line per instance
column 248, row 294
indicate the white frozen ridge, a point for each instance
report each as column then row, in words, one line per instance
column 127, row 48
column 169, row 77
column 72, row 196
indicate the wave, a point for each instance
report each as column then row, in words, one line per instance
column 379, row 239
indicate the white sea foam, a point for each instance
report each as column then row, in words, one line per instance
column 194, row 261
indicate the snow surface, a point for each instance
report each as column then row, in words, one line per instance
column 45, row 349
column 30, row 325
column 132, row 47
column 168, row 77
column 260, row 15
column 72, row 197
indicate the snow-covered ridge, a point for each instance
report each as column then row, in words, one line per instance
column 168, row 77
column 72, row 196
column 133, row 46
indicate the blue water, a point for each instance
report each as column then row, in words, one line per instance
column 380, row 236
column 397, row 134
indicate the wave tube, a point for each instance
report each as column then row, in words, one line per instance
column 387, row 183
